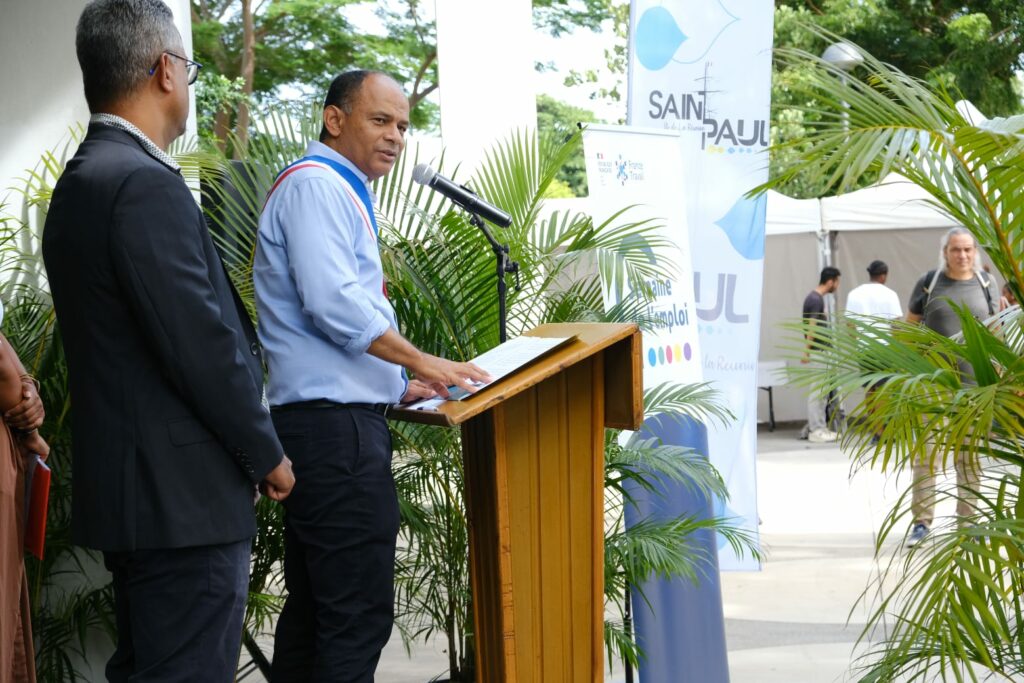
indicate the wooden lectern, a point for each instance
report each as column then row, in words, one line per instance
column 533, row 449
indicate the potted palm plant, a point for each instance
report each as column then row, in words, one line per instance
column 72, row 613
column 950, row 608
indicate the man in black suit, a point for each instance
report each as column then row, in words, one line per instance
column 170, row 436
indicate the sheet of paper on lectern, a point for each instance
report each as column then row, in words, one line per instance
column 499, row 362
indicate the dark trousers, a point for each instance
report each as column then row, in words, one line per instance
column 341, row 524
column 179, row 612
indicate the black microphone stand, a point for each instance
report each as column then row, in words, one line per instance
column 503, row 265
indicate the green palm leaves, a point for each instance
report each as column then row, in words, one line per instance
column 952, row 607
column 889, row 122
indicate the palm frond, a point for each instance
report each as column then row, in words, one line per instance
column 699, row 402
column 952, row 608
column 888, row 122
column 958, row 600
column 931, row 391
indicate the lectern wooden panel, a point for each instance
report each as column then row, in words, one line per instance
column 533, row 449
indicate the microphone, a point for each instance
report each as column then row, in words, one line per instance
column 467, row 199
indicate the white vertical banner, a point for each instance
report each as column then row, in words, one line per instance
column 704, row 69
column 634, row 166
column 678, row 623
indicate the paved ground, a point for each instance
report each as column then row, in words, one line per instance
column 789, row 622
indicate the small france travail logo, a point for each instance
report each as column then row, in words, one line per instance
column 621, row 174
column 620, row 170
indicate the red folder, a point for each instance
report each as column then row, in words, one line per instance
column 37, row 484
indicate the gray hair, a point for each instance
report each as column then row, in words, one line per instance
column 118, row 41
column 944, row 242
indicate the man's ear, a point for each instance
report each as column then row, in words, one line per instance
column 164, row 73
column 334, row 119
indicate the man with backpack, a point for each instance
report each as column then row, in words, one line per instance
column 959, row 280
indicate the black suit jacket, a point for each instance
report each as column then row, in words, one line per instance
column 169, row 433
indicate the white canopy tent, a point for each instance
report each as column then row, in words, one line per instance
column 895, row 202
column 892, row 221
column 788, row 216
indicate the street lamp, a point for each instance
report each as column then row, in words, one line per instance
column 844, row 57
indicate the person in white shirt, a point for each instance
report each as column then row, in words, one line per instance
column 873, row 298
column 876, row 301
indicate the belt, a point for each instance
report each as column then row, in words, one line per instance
column 324, row 404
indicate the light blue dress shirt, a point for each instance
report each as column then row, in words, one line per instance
column 320, row 291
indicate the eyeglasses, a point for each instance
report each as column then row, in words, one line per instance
column 191, row 68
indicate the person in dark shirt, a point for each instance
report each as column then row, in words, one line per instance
column 814, row 312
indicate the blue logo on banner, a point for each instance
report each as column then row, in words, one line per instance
column 659, row 40
column 744, row 226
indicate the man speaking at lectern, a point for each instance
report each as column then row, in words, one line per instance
column 336, row 363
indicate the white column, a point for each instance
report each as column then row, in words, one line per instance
column 41, row 83
column 486, row 75
column 183, row 18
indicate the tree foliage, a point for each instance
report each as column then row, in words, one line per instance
column 298, row 46
column 558, row 118
column 970, row 49
column 610, row 17
column 559, row 18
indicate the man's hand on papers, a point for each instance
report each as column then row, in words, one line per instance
column 280, row 481
column 418, row 390
column 439, row 373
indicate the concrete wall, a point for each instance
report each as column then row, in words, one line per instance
column 41, row 84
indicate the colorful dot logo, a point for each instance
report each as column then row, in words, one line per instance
column 669, row 354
